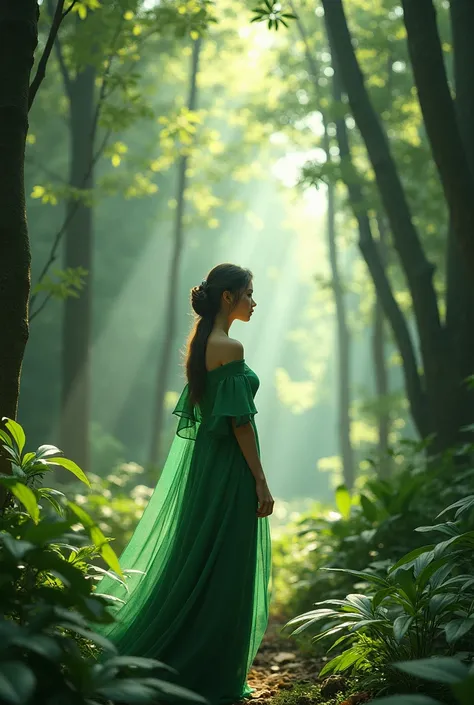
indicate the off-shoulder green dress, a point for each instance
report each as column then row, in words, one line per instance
column 202, row 605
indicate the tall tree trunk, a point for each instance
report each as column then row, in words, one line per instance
column 18, row 40
column 413, row 383
column 172, row 298
column 441, row 378
column 459, row 284
column 343, row 335
column 76, row 363
column 440, row 118
column 343, row 346
column 380, row 365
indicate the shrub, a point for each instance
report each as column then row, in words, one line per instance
column 48, row 650
column 422, row 605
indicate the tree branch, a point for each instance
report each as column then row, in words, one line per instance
column 440, row 120
column 59, row 235
column 41, row 71
column 73, row 209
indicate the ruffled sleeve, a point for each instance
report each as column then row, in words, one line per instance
column 189, row 416
column 234, row 399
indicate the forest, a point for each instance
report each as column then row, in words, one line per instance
column 328, row 146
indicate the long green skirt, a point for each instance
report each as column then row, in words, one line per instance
column 202, row 605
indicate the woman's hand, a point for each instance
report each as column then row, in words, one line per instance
column 265, row 499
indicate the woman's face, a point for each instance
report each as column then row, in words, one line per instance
column 244, row 309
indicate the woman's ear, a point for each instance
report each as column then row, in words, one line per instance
column 227, row 296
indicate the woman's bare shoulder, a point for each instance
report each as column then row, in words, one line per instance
column 222, row 349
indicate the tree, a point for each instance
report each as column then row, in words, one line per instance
column 342, row 328
column 173, row 274
column 440, row 401
column 18, row 40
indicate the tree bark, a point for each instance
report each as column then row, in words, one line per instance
column 172, row 298
column 76, row 349
column 18, row 41
column 343, row 347
column 459, row 278
column 440, row 119
column 380, row 364
column 343, row 334
column 418, row 271
column 413, row 381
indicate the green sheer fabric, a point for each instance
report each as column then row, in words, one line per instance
column 202, row 604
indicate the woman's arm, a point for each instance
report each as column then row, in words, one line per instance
column 246, row 439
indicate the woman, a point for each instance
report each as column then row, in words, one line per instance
column 203, row 542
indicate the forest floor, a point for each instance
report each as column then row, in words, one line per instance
column 283, row 673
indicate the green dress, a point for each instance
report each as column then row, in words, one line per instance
column 202, row 604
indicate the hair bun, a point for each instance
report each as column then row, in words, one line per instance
column 200, row 300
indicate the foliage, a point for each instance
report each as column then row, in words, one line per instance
column 448, row 671
column 48, row 607
column 421, row 606
column 271, row 12
column 378, row 530
column 116, row 501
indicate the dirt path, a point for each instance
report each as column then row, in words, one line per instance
column 283, row 674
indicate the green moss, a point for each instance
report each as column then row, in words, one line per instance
column 305, row 694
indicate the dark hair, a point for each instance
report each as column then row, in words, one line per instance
column 206, row 301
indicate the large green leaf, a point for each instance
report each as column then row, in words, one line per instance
column 16, row 547
column 365, row 576
column 71, row 466
column 343, row 501
column 412, row 556
column 369, row 508
column 16, row 432
column 46, row 531
column 23, row 495
column 401, row 625
column 440, row 670
column 457, row 628
column 17, row 682
column 138, row 662
column 97, row 536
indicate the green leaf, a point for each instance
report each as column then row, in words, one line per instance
column 442, row 602
column 457, row 628
column 16, row 548
column 439, row 670
column 72, row 467
column 404, row 578
column 17, row 682
column 46, row 451
column 343, row 501
column 461, row 505
column 110, row 557
column 16, row 432
column 81, row 514
column 40, row 644
column 138, row 662
column 369, row 508
column 449, row 528
column 366, row 577
column 98, row 538
column 23, row 495
column 380, row 595
column 92, row 636
column 411, row 557
column 401, row 625
column 47, row 531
